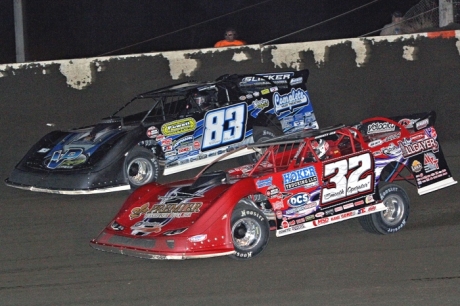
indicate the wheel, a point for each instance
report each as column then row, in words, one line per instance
column 262, row 134
column 250, row 231
column 141, row 167
column 394, row 218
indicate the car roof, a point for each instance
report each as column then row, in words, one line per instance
column 181, row 88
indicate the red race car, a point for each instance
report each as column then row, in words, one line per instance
column 300, row 181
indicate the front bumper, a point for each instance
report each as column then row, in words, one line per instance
column 68, row 182
column 162, row 247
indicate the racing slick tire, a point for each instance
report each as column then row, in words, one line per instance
column 260, row 134
column 395, row 217
column 141, row 167
column 250, row 231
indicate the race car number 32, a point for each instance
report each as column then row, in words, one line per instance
column 348, row 178
column 224, row 126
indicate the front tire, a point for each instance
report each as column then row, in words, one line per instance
column 250, row 231
column 141, row 167
column 394, row 218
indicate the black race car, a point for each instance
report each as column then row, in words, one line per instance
column 166, row 131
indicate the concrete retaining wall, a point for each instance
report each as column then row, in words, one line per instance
column 350, row 79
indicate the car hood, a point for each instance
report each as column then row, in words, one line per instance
column 75, row 149
column 165, row 210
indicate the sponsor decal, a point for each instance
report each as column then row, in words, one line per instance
column 242, row 98
column 322, row 221
column 278, row 205
column 299, row 199
column 264, row 183
column 295, row 81
column 256, row 94
column 272, row 191
column 67, row 159
column 301, row 210
column 288, row 101
column 375, row 143
column 167, row 148
column 178, row 127
column 183, row 141
column 330, row 212
column 137, row 212
column 369, row 199
column 422, row 178
column 358, row 203
column 273, row 89
column 392, row 137
column 249, row 96
column 417, row 137
column 279, row 214
column 170, row 153
column 43, row 150
column 319, row 215
column 299, row 221
column 180, row 210
column 338, row 208
column 431, row 132
column 380, row 127
column 160, row 137
column 347, row 206
column 263, row 79
column 152, row 132
column 408, row 123
column 183, row 150
column 416, row 166
column 335, row 218
column 166, row 142
column 196, row 145
column 305, row 177
column 431, row 163
column 392, row 150
column 413, row 148
column 261, row 104
column 265, row 91
column 422, row 124
column 309, row 218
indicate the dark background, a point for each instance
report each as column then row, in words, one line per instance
column 86, row 28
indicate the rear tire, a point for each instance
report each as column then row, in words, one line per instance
column 261, row 134
column 141, row 167
column 250, row 231
column 395, row 217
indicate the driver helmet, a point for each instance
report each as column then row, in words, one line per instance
column 321, row 147
column 204, row 100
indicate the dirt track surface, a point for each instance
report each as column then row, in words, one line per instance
column 45, row 259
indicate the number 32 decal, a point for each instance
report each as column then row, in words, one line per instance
column 348, row 178
column 224, row 126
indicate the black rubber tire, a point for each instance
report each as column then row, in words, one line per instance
column 394, row 218
column 260, row 134
column 141, row 167
column 250, row 231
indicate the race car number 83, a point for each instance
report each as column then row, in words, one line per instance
column 224, row 126
column 348, row 178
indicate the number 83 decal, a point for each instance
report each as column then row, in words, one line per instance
column 224, row 126
column 347, row 178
